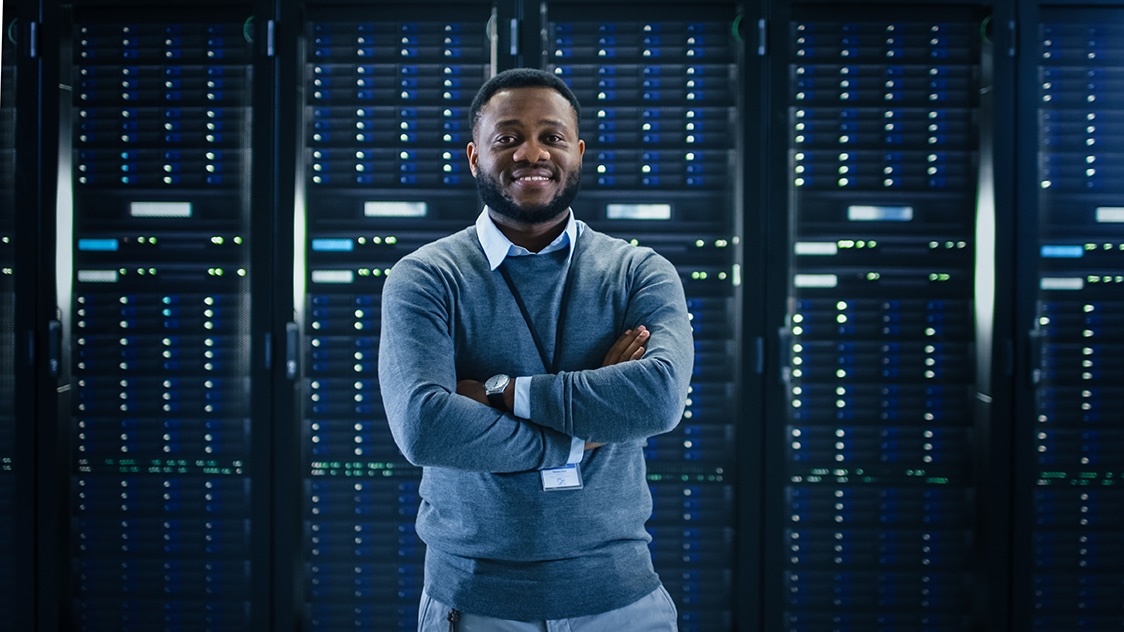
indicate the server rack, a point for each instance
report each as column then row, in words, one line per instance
column 873, row 481
column 32, row 521
column 382, row 171
column 1070, row 426
column 662, row 167
column 168, row 483
column 9, row 520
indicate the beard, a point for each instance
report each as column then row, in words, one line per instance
column 492, row 193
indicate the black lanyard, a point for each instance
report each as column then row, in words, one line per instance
column 551, row 364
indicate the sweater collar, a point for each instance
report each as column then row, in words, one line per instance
column 498, row 247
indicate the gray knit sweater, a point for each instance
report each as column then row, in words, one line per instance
column 497, row 544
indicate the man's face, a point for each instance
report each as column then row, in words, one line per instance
column 526, row 155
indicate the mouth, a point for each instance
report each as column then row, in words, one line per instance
column 532, row 177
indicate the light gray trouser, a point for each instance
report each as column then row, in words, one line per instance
column 652, row 613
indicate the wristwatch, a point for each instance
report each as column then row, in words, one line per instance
column 494, row 388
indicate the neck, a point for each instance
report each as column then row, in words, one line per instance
column 533, row 237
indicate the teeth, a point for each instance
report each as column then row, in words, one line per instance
column 535, row 178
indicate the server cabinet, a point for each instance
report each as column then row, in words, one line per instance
column 381, row 171
column 9, row 515
column 168, row 474
column 661, row 110
column 1069, row 457
column 29, row 516
column 871, row 475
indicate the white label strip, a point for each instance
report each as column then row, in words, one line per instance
column 638, row 211
column 860, row 213
column 97, row 276
column 395, row 209
column 816, row 248
column 1110, row 214
column 332, row 276
column 160, row 209
column 815, row 280
column 1062, row 283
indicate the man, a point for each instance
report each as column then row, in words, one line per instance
column 533, row 486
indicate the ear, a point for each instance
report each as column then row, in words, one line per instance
column 473, row 156
column 581, row 148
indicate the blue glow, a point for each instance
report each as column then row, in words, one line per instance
column 332, row 245
column 1062, row 252
column 106, row 245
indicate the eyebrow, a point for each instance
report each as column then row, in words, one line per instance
column 517, row 123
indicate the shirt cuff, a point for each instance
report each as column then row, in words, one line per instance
column 521, row 406
column 577, row 451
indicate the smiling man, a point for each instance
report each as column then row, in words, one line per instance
column 523, row 362
column 527, row 163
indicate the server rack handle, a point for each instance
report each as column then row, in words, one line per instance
column 292, row 350
column 54, row 348
column 784, row 371
column 1036, row 338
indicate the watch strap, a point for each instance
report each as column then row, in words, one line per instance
column 496, row 400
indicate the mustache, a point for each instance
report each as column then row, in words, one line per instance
column 537, row 166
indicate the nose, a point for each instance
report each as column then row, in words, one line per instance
column 531, row 151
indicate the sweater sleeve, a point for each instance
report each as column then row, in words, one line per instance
column 630, row 401
column 430, row 422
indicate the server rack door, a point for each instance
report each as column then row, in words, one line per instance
column 871, row 481
column 381, row 171
column 9, row 514
column 154, row 281
column 661, row 121
column 1070, row 435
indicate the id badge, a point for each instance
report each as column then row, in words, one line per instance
column 561, row 478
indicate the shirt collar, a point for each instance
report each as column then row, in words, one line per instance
column 498, row 247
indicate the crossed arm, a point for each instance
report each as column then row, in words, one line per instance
column 629, row 346
column 638, row 391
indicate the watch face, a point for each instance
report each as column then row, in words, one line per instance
column 496, row 383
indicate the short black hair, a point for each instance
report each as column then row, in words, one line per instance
column 520, row 78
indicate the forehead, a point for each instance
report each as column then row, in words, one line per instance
column 527, row 106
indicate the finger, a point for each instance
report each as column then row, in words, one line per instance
column 623, row 341
column 626, row 346
column 617, row 351
column 635, row 344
